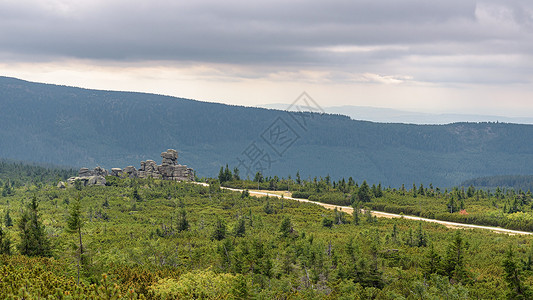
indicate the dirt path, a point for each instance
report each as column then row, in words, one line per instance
column 379, row 214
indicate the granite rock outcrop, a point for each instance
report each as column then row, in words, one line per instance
column 168, row 170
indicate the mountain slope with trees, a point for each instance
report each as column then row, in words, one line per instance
column 157, row 239
column 81, row 127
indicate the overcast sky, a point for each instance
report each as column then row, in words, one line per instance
column 447, row 56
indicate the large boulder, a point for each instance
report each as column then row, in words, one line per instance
column 116, row 172
column 170, row 157
column 85, row 172
column 96, row 180
column 130, row 171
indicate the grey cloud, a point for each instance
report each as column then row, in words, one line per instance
column 263, row 32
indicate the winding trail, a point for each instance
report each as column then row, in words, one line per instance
column 379, row 214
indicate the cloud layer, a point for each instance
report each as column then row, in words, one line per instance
column 341, row 41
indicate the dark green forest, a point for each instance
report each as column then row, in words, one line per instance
column 154, row 239
column 14, row 174
column 80, row 127
column 516, row 182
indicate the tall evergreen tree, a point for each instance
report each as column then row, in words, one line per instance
column 221, row 176
column 421, row 237
column 454, row 265
column 220, row 230
column 74, row 225
column 432, row 262
column 363, row 193
column 517, row 290
column 240, row 228
column 356, row 213
column 8, row 221
column 5, row 242
column 183, row 223
column 33, row 238
column 286, row 227
column 236, row 175
column 227, row 174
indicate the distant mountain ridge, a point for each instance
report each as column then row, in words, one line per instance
column 388, row 115
column 82, row 127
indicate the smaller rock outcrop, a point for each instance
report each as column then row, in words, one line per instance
column 87, row 180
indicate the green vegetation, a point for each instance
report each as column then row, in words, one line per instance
column 15, row 174
column 86, row 128
column 501, row 207
column 183, row 240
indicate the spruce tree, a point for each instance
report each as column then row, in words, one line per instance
column 356, row 213
column 240, row 228
column 183, row 223
column 74, row 225
column 7, row 220
column 33, row 238
column 220, row 230
column 286, row 227
column 432, row 262
column 5, row 242
column 364, row 192
column 517, row 290
column 421, row 237
column 454, row 265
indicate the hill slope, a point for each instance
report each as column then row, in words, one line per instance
column 81, row 127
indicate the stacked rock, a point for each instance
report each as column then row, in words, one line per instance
column 168, row 170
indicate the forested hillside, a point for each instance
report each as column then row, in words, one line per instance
column 147, row 238
column 80, row 127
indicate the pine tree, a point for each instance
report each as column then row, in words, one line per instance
column 183, row 223
column 221, row 175
column 454, row 265
column 432, row 262
column 33, row 238
column 517, row 290
column 136, row 195
column 7, row 220
column 356, row 213
column 421, row 238
column 5, row 242
column 227, row 174
column 74, row 225
column 286, row 227
column 364, row 192
column 240, row 228
column 236, row 175
column 220, row 230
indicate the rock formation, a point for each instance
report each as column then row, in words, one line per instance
column 168, row 170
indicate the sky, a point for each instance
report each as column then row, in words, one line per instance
column 454, row 56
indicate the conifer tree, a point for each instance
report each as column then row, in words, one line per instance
column 220, row 230
column 74, row 225
column 421, row 237
column 5, row 242
column 517, row 290
column 240, row 228
column 183, row 223
column 432, row 262
column 33, row 238
column 8, row 221
column 356, row 213
column 286, row 227
column 454, row 265
column 364, row 192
